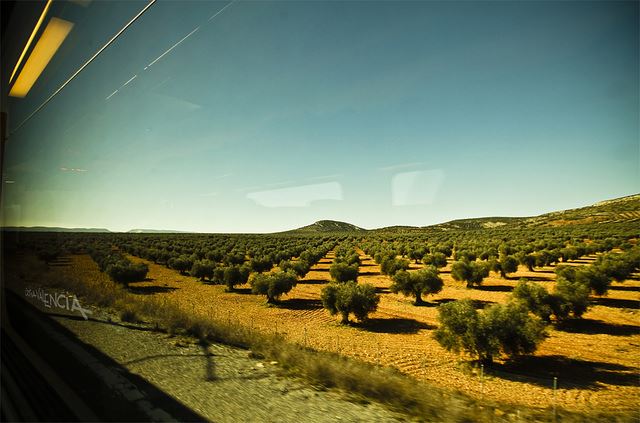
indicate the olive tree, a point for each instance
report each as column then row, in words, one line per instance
column 48, row 254
column 350, row 298
column 343, row 272
column 182, row 264
column 202, row 269
column 499, row 329
column 259, row 265
column 619, row 266
column 424, row 281
column 416, row 254
column 539, row 301
column 591, row 277
column 506, row 264
column 124, row 271
column 525, row 259
column 569, row 253
column 391, row 265
column 435, row 259
column 273, row 285
column 574, row 296
column 300, row 267
column 235, row 275
column 471, row 272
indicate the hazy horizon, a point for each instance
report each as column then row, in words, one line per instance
column 288, row 229
column 258, row 117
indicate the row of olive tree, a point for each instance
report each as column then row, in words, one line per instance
column 517, row 327
column 275, row 284
column 345, row 265
column 344, row 296
column 119, row 268
column 574, row 284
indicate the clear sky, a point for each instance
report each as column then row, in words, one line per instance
column 274, row 114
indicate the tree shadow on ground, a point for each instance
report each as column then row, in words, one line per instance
column 393, row 325
column 495, row 288
column 616, row 302
column 313, row 281
column 210, row 365
column 477, row 304
column 382, row 290
column 367, row 264
column 625, row 288
column 427, row 303
column 60, row 262
column 241, row 291
column 590, row 326
column 148, row 290
column 571, row 372
column 585, row 260
column 321, row 270
column 368, row 273
column 301, row 304
column 538, row 278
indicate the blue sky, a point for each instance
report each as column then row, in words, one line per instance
column 272, row 115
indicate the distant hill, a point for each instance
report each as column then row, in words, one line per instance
column 480, row 223
column 328, row 226
column 624, row 209
column 51, row 229
column 154, row 231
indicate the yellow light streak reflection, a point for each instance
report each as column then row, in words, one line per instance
column 33, row 34
column 52, row 37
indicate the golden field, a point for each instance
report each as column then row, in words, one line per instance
column 595, row 359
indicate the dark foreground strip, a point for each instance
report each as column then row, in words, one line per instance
column 50, row 375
